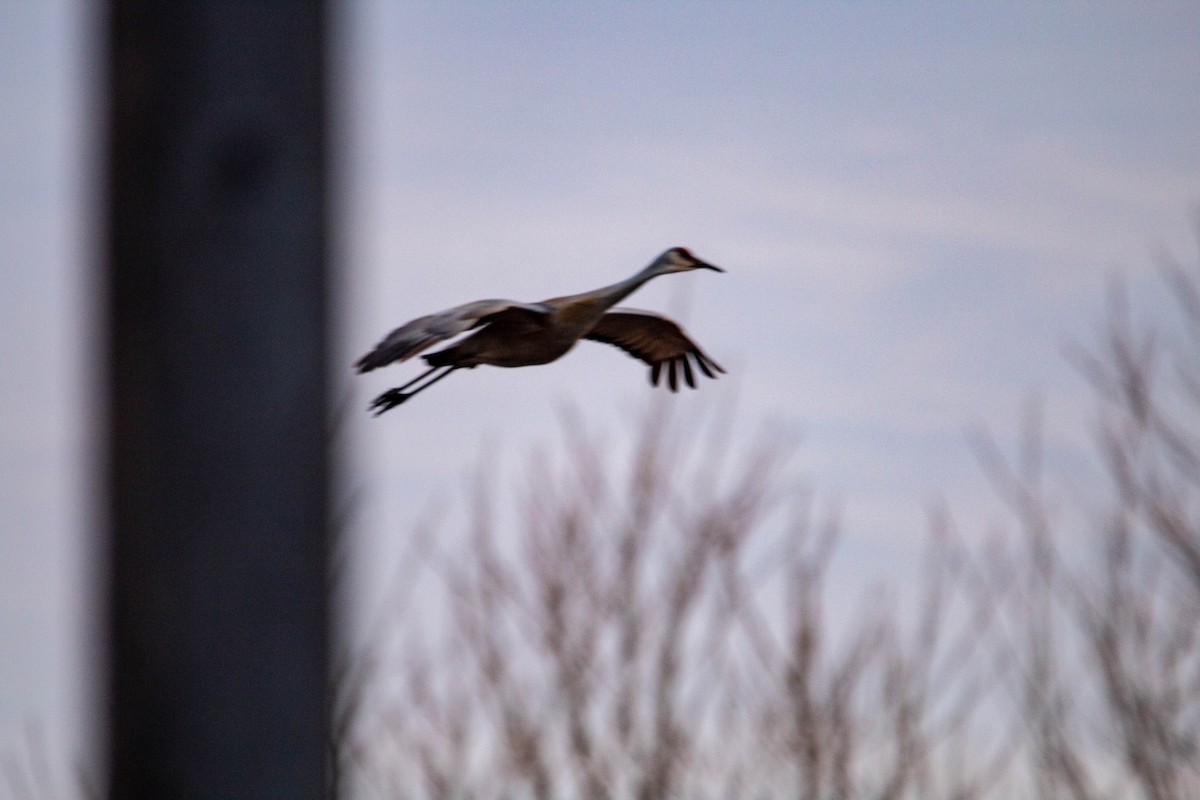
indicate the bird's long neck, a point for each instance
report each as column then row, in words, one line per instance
column 579, row 312
column 611, row 295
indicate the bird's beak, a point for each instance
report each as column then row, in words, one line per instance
column 706, row 265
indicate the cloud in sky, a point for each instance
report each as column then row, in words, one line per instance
column 918, row 205
column 46, row 607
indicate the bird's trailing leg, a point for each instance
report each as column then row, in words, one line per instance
column 394, row 397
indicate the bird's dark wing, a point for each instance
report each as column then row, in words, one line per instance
column 412, row 337
column 656, row 340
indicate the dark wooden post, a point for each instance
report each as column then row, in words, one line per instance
column 217, row 453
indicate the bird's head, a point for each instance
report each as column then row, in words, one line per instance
column 679, row 259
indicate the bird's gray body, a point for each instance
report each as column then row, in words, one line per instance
column 513, row 339
column 512, row 334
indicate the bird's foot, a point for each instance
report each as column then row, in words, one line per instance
column 388, row 400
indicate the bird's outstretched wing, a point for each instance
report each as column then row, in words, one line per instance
column 656, row 340
column 412, row 337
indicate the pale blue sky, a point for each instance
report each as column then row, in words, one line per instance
column 917, row 205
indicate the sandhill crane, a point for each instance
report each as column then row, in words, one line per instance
column 513, row 334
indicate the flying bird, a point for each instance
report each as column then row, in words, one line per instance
column 512, row 334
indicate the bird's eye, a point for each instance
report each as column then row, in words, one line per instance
column 682, row 252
